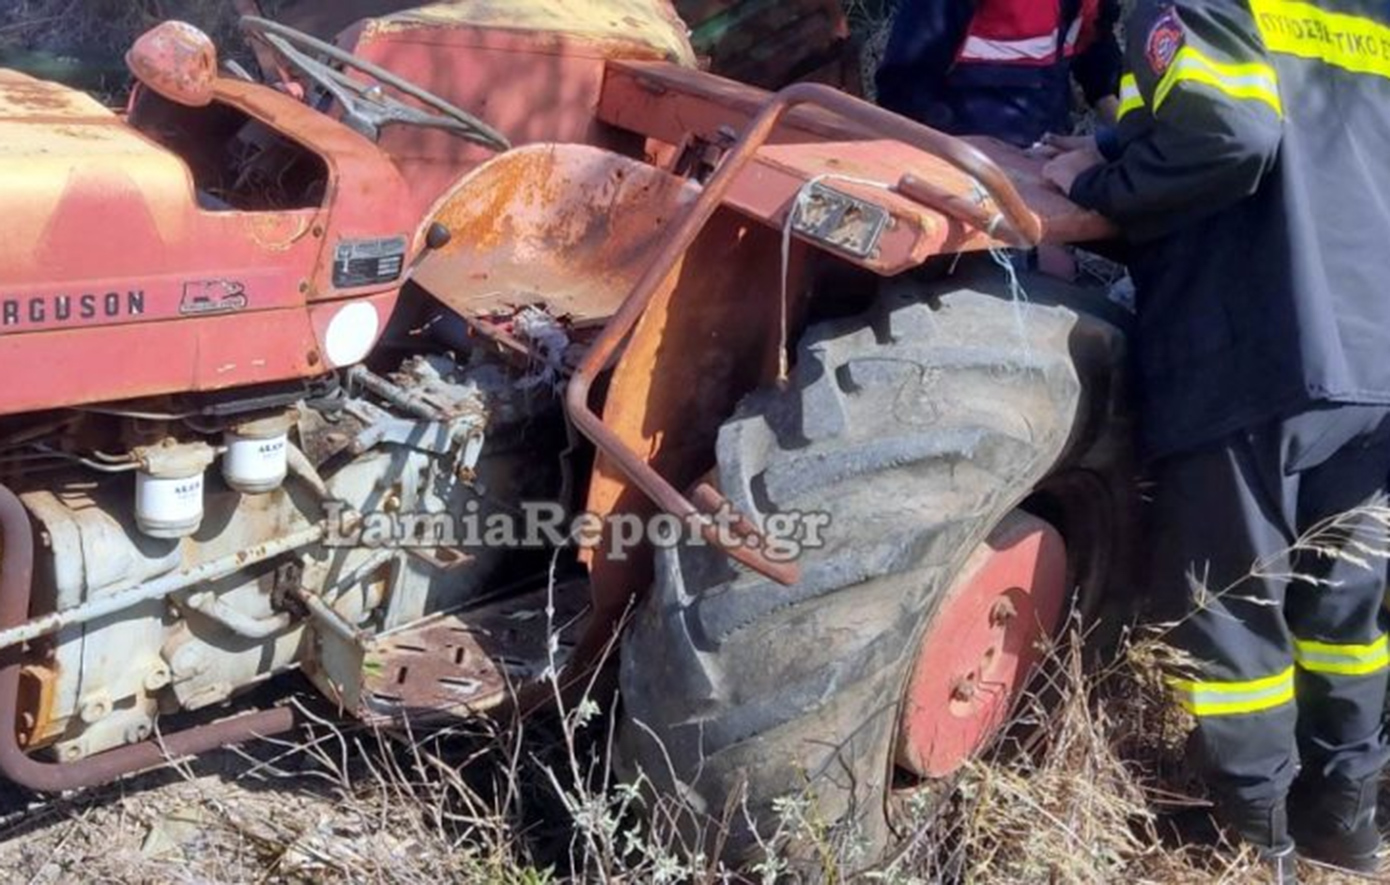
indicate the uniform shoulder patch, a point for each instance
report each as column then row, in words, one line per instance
column 1166, row 37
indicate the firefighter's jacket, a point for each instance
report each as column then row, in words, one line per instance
column 1253, row 172
column 998, row 67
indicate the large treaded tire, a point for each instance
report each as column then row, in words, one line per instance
column 918, row 426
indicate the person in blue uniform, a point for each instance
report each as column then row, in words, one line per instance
column 1250, row 172
column 1001, row 68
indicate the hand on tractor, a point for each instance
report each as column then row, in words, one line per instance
column 1064, row 169
column 1053, row 145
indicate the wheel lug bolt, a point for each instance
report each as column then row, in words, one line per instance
column 1002, row 613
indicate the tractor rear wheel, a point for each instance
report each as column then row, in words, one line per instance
column 921, row 428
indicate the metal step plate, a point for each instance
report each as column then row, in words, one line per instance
column 460, row 665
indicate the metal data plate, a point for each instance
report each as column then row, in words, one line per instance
column 368, row 262
column 838, row 220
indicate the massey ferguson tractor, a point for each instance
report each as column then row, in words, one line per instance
column 285, row 358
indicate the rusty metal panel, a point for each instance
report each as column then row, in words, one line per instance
column 769, row 190
column 77, row 366
column 464, row 664
column 532, row 70
column 568, row 227
column 650, row 23
column 709, row 337
column 23, row 96
column 670, row 104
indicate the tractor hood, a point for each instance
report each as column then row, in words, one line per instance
column 119, row 280
column 63, row 155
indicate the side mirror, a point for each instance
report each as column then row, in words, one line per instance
column 177, row 61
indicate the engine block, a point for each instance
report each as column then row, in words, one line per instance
column 430, row 440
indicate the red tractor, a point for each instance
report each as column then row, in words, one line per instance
column 286, row 364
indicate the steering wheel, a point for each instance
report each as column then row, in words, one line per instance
column 366, row 106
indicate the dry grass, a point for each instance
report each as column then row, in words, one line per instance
column 335, row 807
column 1068, row 807
column 1091, row 787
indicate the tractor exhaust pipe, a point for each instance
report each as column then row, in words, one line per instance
column 16, row 581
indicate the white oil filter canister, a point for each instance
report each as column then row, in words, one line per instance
column 257, row 454
column 169, row 488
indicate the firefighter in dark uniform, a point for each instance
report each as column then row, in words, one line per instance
column 1000, row 67
column 1251, row 169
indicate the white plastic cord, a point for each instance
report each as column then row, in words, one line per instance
column 1002, row 256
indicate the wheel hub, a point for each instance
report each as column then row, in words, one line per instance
column 989, row 632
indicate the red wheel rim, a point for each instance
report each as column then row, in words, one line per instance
column 981, row 646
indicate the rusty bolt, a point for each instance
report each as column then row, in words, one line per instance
column 157, row 677
column 137, row 731
column 1003, row 612
column 95, row 709
column 964, row 689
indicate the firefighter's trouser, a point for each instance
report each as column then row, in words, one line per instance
column 1268, row 553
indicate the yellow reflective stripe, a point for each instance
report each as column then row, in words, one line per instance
column 1131, row 99
column 1366, row 650
column 1236, row 707
column 1235, row 687
column 1343, row 659
column 1350, row 42
column 1252, row 81
column 1358, row 668
column 1231, row 698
